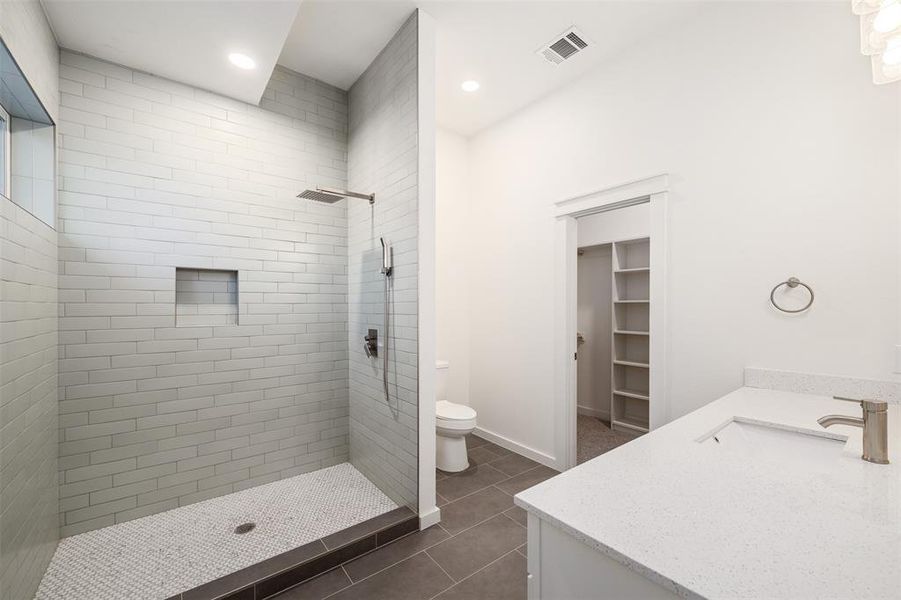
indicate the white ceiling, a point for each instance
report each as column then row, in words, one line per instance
column 335, row 40
column 184, row 40
column 491, row 42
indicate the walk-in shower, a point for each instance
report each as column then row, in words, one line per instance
column 200, row 417
column 370, row 342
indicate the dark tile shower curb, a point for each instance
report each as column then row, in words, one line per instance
column 283, row 571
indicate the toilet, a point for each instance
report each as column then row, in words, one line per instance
column 452, row 423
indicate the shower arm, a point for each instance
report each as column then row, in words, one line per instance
column 348, row 194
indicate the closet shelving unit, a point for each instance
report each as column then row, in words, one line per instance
column 630, row 397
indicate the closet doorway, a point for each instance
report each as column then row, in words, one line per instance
column 613, row 330
column 611, row 337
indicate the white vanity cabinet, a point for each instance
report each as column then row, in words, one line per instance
column 562, row 567
column 672, row 515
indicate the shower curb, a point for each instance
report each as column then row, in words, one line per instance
column 275, row 575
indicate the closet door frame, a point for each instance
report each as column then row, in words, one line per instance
column 654, row 191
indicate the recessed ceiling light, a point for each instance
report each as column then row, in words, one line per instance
column 470, row 85
column 242, row 61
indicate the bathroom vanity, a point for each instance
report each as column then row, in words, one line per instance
column 747, row 497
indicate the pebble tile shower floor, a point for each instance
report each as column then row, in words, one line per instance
column 157, row 556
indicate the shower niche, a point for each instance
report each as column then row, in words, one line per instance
column 205, row 298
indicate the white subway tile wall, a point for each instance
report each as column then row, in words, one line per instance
column 156, row 176
column 382, row 158
column 28, row 400
column 28, row 341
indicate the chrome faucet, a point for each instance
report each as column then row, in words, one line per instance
column 874, row 424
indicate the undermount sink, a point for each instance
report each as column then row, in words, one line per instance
column 765, row 441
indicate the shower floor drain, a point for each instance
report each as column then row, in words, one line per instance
column 244, row 528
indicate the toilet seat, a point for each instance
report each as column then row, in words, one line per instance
column 453, row 412
column 454, row 416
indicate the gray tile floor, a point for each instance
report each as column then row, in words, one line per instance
column 477, row 552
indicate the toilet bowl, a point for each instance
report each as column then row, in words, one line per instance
column 453, row 422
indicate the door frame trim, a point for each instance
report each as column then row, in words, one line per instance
column 652, row 190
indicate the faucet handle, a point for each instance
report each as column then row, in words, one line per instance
column 868, row 405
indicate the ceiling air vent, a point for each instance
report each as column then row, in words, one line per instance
column 564, row 46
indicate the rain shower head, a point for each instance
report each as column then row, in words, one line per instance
column 330, row 196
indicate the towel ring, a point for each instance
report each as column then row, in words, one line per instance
column 792, row 282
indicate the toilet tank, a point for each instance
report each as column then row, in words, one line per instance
column 441, row 367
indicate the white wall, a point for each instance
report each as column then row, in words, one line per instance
column 453, row 304
column 593, row 318
column 783, row 160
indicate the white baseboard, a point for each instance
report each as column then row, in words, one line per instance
column 593, row 412
column 429, row 517
column 540, row 457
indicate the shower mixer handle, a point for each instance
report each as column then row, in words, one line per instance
column 371, row 343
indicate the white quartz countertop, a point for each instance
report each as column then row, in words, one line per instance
column 712, row 524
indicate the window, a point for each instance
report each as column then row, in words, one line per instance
column 4, row 153
column 27, row 144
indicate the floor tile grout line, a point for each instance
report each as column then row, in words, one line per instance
column 514, row 520
column 482, row 489
column 507, row 478
column 425, row 552
column 376, row 549
column 468, row 495
column 349, row 578
column 420, row 551
column 473, row 574
column 451, row 536
column 455, row 582
column 520, row 474
column 340, row 566
column 461, row 473
column 346, row 587
column 474, row 525
column 394, row 564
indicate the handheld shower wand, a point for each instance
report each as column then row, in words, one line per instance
column 387, row 269
column 386, row 258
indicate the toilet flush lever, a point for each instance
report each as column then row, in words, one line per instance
column 371, row 343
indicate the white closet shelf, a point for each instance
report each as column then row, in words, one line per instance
column 632, row 363
column 637, row 394
column 630, row 373
column 631, row 424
